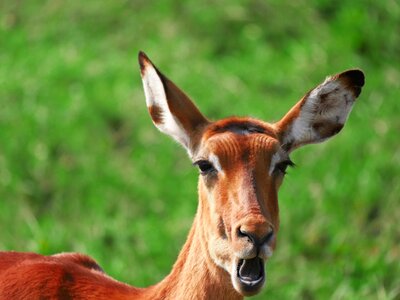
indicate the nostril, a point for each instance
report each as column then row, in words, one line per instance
column 243, row 234
column 268, row 238
column 253, row 238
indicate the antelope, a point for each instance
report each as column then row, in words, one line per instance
column 242, row 162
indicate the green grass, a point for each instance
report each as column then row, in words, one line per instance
column 82, row 168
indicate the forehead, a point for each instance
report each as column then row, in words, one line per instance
column 240, row 126
column 240, row 136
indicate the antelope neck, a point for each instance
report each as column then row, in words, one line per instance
column 195, row 275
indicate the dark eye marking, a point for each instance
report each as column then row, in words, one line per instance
column 283, row 165
column 205, row 166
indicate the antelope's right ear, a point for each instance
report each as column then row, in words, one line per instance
column 171, row 109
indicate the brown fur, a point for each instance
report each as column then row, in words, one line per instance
column 156, row 113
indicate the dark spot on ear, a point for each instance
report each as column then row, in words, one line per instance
column 142, row 57
column 336, row 129
column 354, row 79
column 356, row 91
column 326, row 130
column 155, row 113
column 324, row 97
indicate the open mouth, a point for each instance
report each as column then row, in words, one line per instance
column 251, row 275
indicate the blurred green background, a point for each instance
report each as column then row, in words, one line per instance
column 82, row 168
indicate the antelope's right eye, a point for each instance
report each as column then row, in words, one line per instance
column 205, row 167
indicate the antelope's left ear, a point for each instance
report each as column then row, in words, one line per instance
column 322, row 112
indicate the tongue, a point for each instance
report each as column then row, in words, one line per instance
column 250, row 269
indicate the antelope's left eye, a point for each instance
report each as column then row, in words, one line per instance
column 283, row 165
column 204, row 166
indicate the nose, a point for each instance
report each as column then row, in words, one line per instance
column 257, row 235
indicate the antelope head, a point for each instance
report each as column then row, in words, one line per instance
column 242, row 163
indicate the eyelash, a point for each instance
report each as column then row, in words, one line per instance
column 283, row 165
column 204, row 166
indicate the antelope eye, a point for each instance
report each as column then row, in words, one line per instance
column 283, row 165
column 204, row 166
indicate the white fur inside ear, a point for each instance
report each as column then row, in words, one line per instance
column 329, row 104
column 156, row 99
column 153, row 88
